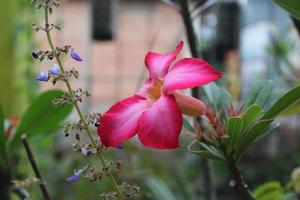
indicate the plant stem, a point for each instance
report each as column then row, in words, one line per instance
column 35, row 168
column 70, row 90
column 237, row 182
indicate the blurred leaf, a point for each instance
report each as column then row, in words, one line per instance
column 291, row 6
column 268, row 191
column 255, row 131
column 207, row 154
column 159, row 189
column 251, row 114
column 187, row 125
column 268, row 130
column 284, row 102
column 289, row 196
column 41, row 117
column 218, row 97
column 293, row 110
column 233, row 131
column 260, row 92
column 2, row 137
column 209, row 151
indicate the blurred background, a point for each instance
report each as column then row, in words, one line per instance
column 247, row 40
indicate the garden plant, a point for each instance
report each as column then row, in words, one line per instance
column 218, row 128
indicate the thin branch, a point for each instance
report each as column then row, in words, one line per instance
column 35, row 168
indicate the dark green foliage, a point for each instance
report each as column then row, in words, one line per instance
column 42, row 117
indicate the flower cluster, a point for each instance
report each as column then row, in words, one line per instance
column 54, row 71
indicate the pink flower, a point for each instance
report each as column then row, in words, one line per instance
column 155, row 112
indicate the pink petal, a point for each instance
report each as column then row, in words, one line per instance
column 144, row 89
column 159, row 127
column 119, row 123
column 189, row 105
column 158, row 64
column 189, row 73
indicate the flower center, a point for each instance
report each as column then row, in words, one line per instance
column 154, row 91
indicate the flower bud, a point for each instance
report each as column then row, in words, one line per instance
column 75, row 56
column 44, row 76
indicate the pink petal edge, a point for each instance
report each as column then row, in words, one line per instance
column 189, row 73
column 158, row 64
column 119, row 123
column 159, row 127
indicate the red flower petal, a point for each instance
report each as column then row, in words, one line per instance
column 119, row 123
column 159, row 127
column 189, row 73
column 158, row 64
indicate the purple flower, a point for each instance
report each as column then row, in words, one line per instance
column 54, row 71
column 87, row 151
column 44, row 76
column 75, row 56
column 75, row 177
column 120, row 146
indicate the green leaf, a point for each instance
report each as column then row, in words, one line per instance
column 159, row 189
column 42, row 117
column 284, row 102
column 211, row 150
column 268, row 130
column 268, row 191
column 218, row 97
column 260, row 92
column 187, row 125
column 233, row 131
column 292, row 110
column 2, row 137
column 254, row 132
column 251, row 114
column 207, row 154
column 291, row 6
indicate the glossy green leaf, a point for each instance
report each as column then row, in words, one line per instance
column 260, row 93
column 255, row 131
column 42, row 117
column 291, row 6
column 233, row 131
column 159, row 189
column 251, row 114
column 2, row 137
column 283, row 103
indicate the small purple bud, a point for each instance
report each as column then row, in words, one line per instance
column 75, row 177
column 120, row 146
column 75, row 56
column 36, row 54
column 87, row 151
column 54, row 70
column 43, row 76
